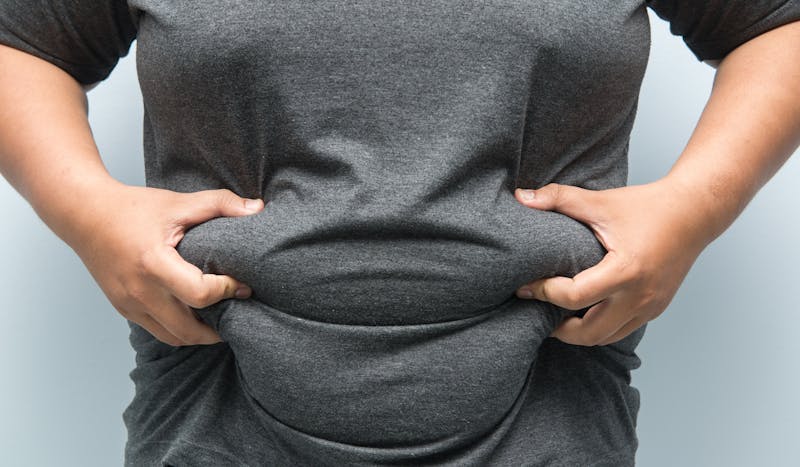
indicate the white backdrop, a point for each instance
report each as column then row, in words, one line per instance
column 719, row 379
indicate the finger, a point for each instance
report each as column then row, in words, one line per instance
column 180, row 321
column 158, row 331
column 586, row 288
column 578, row 203
column 625, row 331
column 204, row 205
column 598, row 324
column 188, row 283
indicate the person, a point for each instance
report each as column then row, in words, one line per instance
column 444, row 188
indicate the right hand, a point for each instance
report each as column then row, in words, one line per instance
column 128, row 245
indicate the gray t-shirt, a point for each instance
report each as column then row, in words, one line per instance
column 387, row 138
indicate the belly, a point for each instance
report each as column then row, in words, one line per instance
column 335, row 263
column 394, row 327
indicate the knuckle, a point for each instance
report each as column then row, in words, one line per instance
column 574, row 298
column 592, row 338
column 564, row 194
column 540, row 291
column 147, row 262
column 190, row 336
column 555, row 190
column 118, row 295
column 628, row 270
column 635, row 266
column 169, row 340
column 651, row 296
column 136, row 294
column 225, row 197
column 200, row 297
column 636, row 270
column 180, row 213
column 183, row 334
column 223, row 193
column 160, row 334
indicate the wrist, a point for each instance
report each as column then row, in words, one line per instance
column 77, row 205
column 713, row 201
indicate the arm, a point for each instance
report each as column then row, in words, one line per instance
column 653, row 233
column 124, row 235
column 749, row 128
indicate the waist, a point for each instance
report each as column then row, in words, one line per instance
column 366, row 267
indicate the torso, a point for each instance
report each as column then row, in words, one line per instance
column 387, row 138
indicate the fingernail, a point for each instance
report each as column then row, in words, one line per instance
column 252, row 204
column 527, row 195
column 242, row 292
column 524, row 292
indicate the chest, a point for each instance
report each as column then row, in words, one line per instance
column 220, row 39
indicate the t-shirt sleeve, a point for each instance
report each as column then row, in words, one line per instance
column 713, row 28
column 85, row 38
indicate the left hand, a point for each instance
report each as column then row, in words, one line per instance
column 653, row 233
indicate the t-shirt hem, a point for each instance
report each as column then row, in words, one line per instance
column 178, row 453
column 185, row 453
column 623, row 457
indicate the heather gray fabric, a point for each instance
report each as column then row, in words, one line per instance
column 387, row 138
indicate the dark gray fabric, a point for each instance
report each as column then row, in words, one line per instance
column 714, row 28
column 84, row 38
column 387, row 138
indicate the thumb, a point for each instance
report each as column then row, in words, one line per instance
column 190, row 285
column 204, row 205
column 578, row 203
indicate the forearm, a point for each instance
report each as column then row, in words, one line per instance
column 47, row 151
column 749, row 128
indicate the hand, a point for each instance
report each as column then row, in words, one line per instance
column 652, row 235
column 126, row 237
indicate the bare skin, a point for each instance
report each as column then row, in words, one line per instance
column 654, row 232
column 125, row 235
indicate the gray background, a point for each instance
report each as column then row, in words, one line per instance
column 719, row 381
